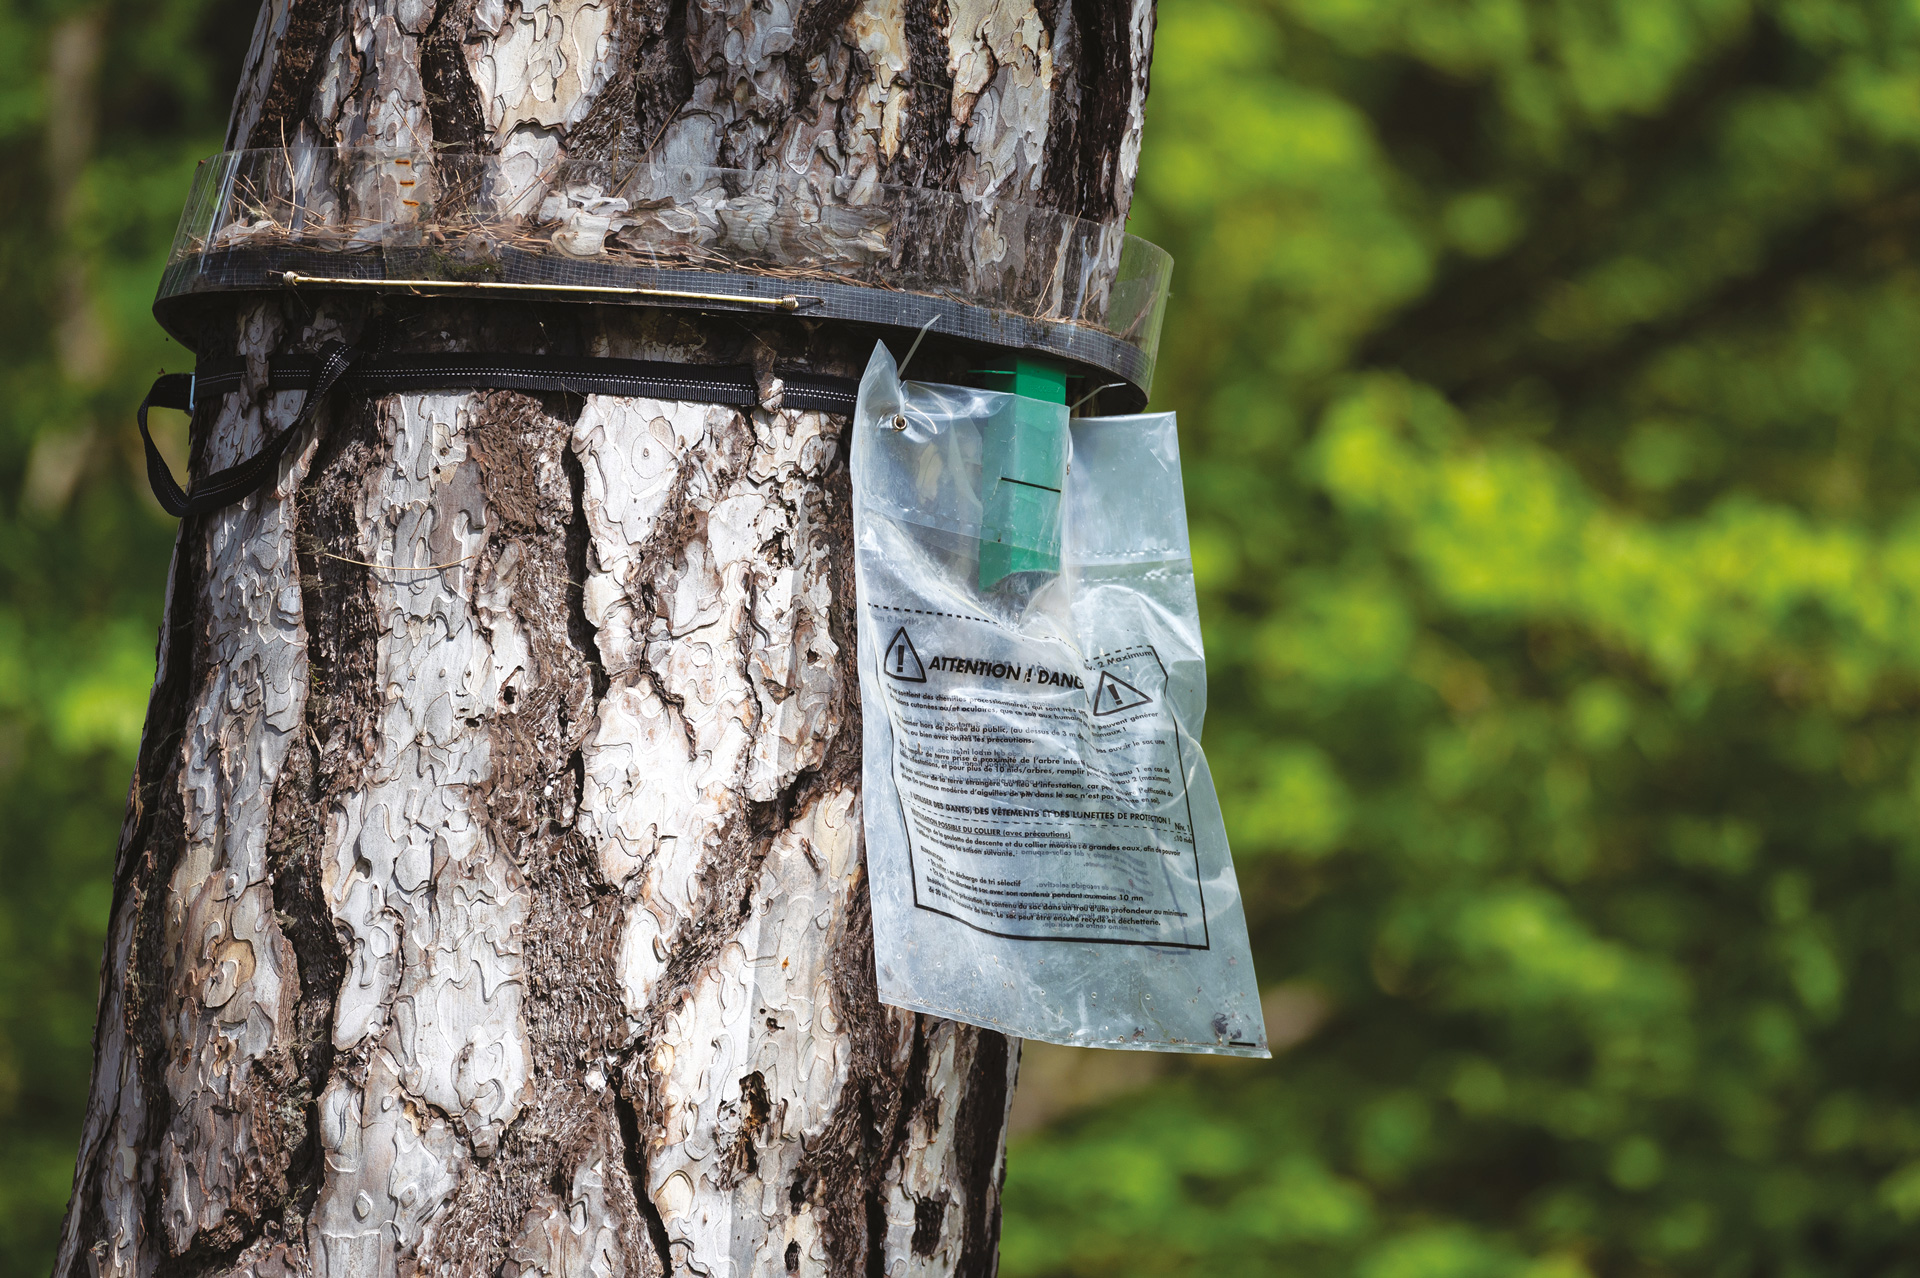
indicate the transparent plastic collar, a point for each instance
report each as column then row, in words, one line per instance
column 482, row 220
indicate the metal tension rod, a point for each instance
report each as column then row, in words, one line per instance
column 790, row 302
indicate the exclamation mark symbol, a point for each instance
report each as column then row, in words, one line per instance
column 1117, row 693
column 902, row 661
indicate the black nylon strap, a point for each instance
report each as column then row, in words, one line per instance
column 697, row 383
column 381, row 374
column 225, row 487
column 723, row 384
column 215, row 377
column 169, row 390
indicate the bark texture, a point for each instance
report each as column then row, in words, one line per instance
column 490, row 899
column 1037, row 101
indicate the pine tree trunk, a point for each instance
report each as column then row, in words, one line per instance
column 490, row 899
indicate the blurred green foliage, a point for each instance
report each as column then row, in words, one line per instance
column 1552, row 457
column 96, row 171
column 1552, row 439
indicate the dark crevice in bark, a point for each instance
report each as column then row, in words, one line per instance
column 929, row 153
column 723, row 896
column 814, row 30
column 296, row 72
column 753, row 1091
column 148, row 1002
column 675, row 526
column 213, row 1252
column 453, row 100
column 529, row 496
column 300, row 902
column 327, row 759
column 979, row 1129
column 886, row 1082
column 152, row 837
column 875, row 1207
column 579, row 543
column 152, row 858
column 850, row 1164
column 652, row 78
column 157, row 760
column 343, row 629
column 146, row 993
column 662, row 74
column 281, row 1090
column 1089, row 119
column 927, row 1215
column 633, row 1151
column 889, row 1113
column 724, row 893
column 928, row 237
column 1060, row 175
column 816, row 26
column 92, row 1223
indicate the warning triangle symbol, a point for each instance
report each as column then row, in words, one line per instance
column 1112, row 695
column 901, row 661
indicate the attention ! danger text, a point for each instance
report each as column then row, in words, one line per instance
column 1009, row 671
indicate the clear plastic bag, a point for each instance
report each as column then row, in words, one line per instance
column 1045, row 850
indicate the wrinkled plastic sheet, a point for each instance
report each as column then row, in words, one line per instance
column 1045, row 849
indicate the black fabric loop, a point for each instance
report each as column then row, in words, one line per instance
column 224, row 487
column 378, row 373
column 170, row 390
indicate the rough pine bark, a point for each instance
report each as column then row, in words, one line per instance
column 490, row 898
